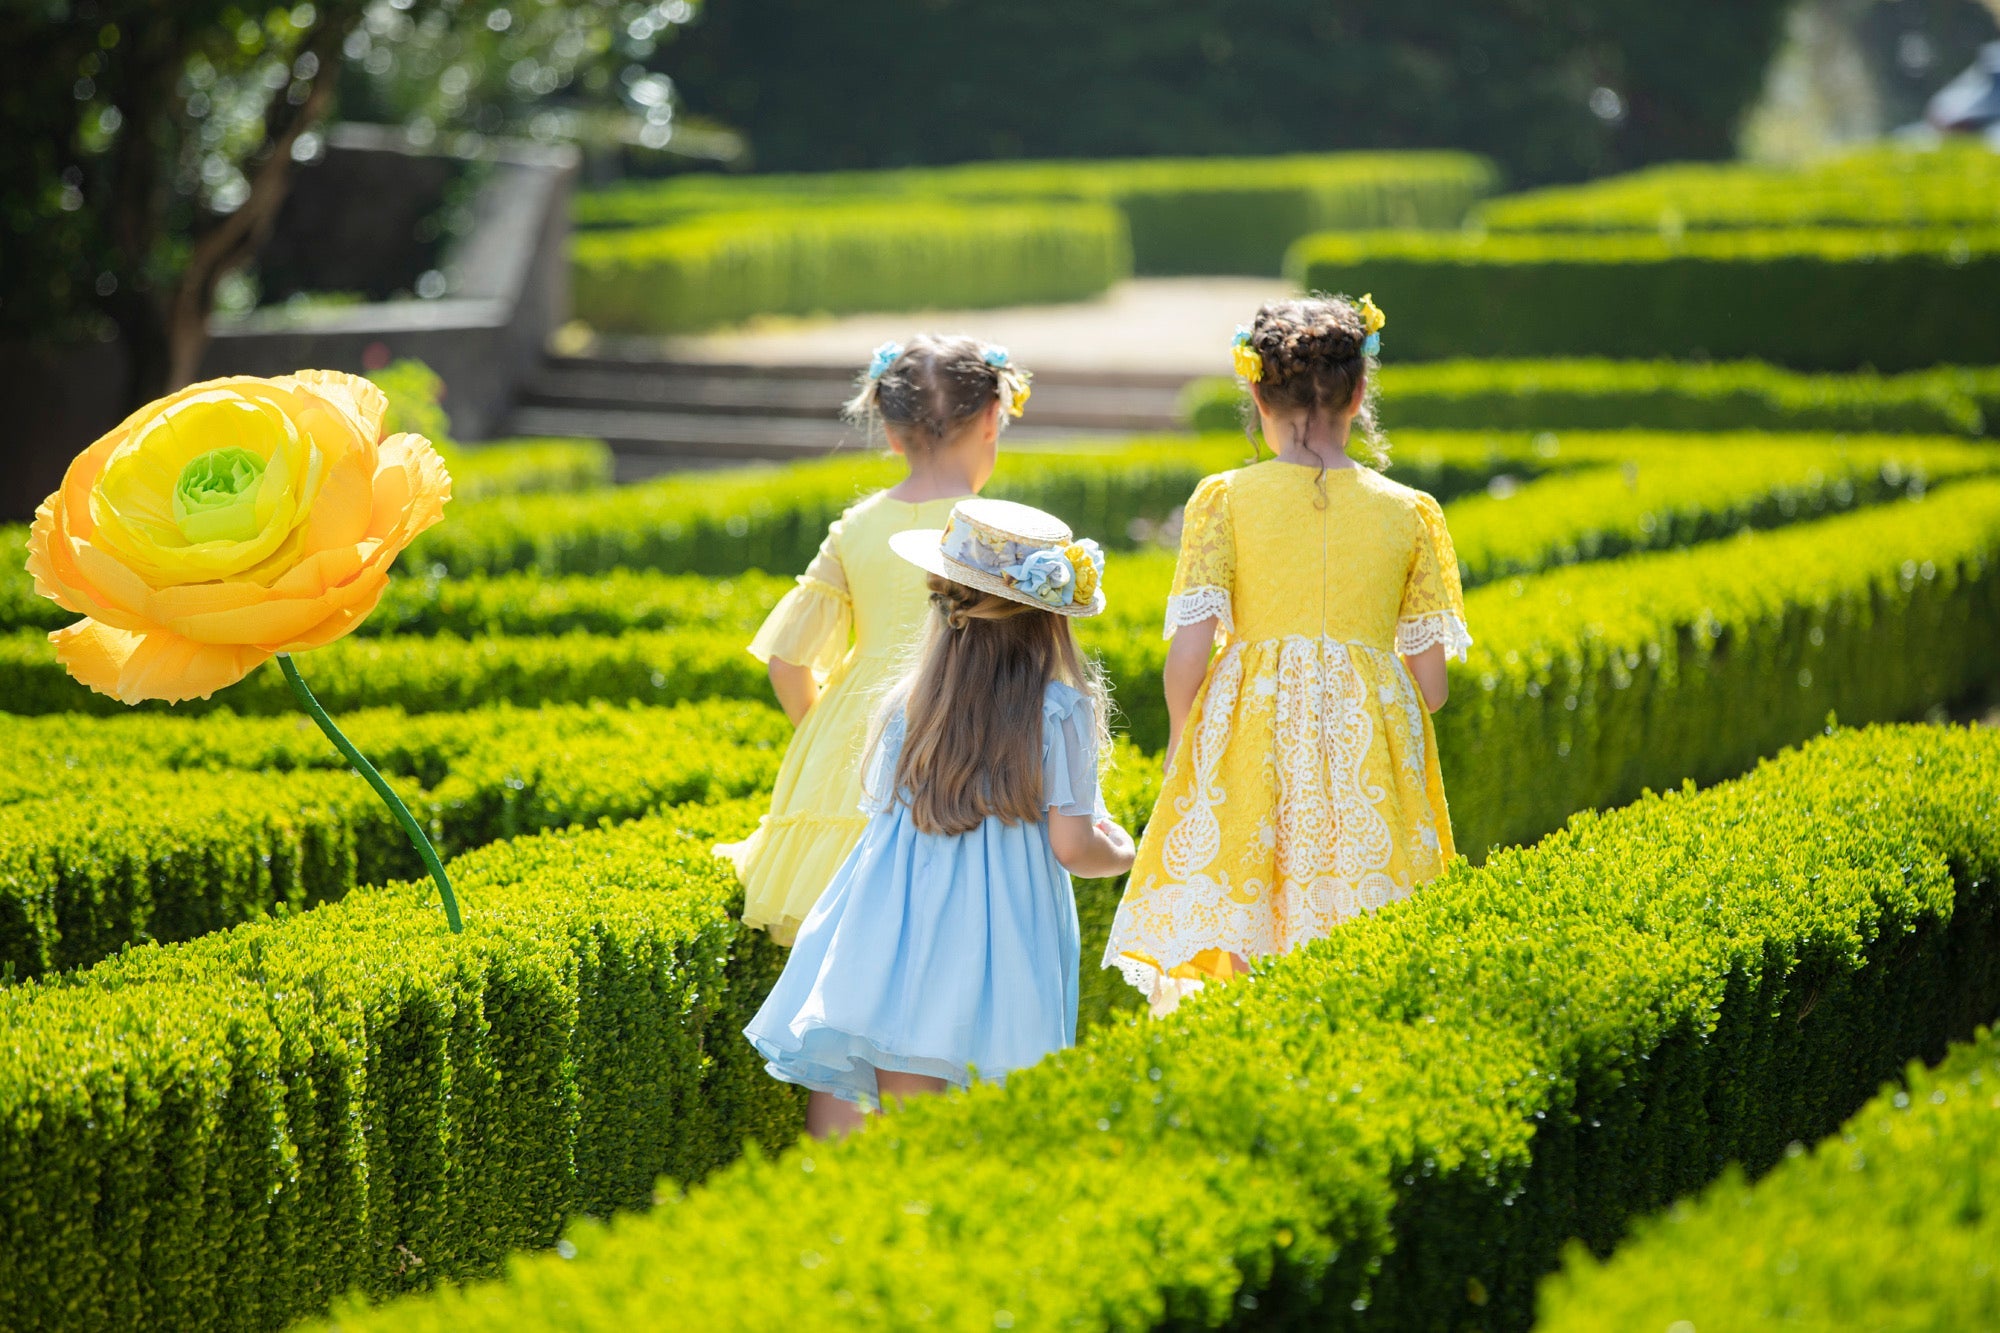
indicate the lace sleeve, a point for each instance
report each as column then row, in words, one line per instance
column 810, row 625
column 1433, row 609
column 1205, row 576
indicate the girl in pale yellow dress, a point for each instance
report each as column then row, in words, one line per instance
column 1302, row 785
column 834, row 642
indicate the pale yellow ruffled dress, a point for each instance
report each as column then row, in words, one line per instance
column 855, row 588
column 1306, row 789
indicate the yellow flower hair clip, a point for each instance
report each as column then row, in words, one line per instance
column 1249, row 361
column 1019, row 403
column 1372, row 323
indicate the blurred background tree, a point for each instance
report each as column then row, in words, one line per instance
column 150, row 145
column 1554, row 89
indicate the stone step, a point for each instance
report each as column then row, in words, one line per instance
column 704, row 438
column 1109, row 402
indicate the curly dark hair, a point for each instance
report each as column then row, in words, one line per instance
column 935, row 385
column 1313, row 362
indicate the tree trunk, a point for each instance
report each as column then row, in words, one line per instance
column 236, row 238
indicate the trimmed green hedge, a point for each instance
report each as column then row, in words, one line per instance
column 1651, row 395
column 725, row 267
column 504, row 467
column 687, row 634
column 228, row 1133
column 527, row 467
column 1952, row 184
column 1888, row 1225
column 1186, row 215
column 1394, row 1128
column 154, row 827
column 1821, row 300
column 774, row 518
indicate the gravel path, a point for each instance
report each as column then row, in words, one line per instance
column 1173, row 325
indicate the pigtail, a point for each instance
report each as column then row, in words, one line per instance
column 865, row 407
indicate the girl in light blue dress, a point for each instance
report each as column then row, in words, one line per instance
column 945, row 947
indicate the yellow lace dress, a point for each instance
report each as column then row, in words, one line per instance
column 1305, row 789
column 855, row 586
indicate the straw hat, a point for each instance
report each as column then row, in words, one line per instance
column 1013, row 550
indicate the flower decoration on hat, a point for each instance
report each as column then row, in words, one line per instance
column 1047, row 575
column 1249, row 362
column 885, row 356
column 1372, row 323
column 1086, row 557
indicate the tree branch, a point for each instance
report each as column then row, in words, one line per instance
column 237, row 237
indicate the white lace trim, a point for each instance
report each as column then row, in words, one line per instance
column 1196, row 605
column 1417, row 633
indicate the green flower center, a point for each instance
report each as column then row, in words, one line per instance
column 215, row 499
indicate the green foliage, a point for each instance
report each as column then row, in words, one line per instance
column 775, row 518
column 1592, row 683
column 166, row 828
column 527, row 467
column 1953, row 184
column 966, row 83
column 1822, row 300
column 228, row 1133
column 1396, row 1127
column 416, row 401
column 505, row 467
column 1186, row 215
column 725, row 267
column 1651, row 395
column 1889, row 1225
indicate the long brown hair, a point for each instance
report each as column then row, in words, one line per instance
column 973, row 707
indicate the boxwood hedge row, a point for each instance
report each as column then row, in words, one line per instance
column 1659, row 497
column 1186, row 215
column 1659, row 494
column 1395, row 1128
column 381, row 1104
column 1951, row 184
column 227, row 1133
column 1888, row 1224
column 1817, row 300
column 722, row 268
column 1653, row 395
column 774, row 518
column 116, row 831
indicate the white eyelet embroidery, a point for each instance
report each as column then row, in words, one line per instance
column 1416, row 633
column 1196, row 605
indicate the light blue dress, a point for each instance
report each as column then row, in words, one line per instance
column 952, row 956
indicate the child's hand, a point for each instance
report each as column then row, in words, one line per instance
column 1121, row 841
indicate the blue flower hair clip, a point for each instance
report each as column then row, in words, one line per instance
column 1371, row 344
column 997, row 357
column 885, row 356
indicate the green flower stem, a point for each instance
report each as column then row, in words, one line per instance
column 382, row 789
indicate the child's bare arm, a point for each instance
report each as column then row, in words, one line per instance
column 1187, row 667
column 1428, row 669
column 1088, row 849
column 796, row 687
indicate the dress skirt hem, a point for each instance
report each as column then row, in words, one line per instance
column 826, row 1059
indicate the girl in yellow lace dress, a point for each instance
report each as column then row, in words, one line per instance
column 1302, row 785
column 942, row 402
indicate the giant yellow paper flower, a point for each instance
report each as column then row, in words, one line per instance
column 225, row 523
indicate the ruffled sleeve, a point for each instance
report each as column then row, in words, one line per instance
column 811, row 624
column 878, row 774
column 1433, row 609
column 1205, row 575
column 1069, row 753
